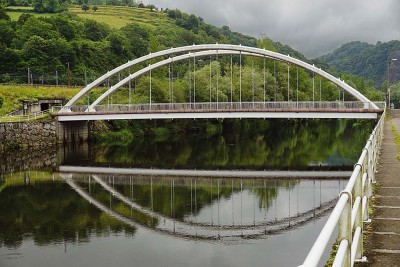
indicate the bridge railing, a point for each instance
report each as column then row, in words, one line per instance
column 22, row 118
column 230, row 106
column 351, row 209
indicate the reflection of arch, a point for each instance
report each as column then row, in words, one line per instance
column 211, row 49
column 204, row 173
column 201, row 231
column 82, row 193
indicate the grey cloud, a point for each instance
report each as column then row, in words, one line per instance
column 313, row 27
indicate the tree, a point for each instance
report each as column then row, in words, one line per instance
column 266, row 43
column 85, row 7
column 64, row 25
column 138, row 38
column 3, row 13
column 52, row 6
column 94, row 30
column 395, row 95
column 95, row 8
column 6, row 32
column 49, row 6
column 119, row 44
column 38, row 6
column 154, row 46
column 34, row 26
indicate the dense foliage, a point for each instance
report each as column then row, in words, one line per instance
column 67, row 49
column 233, row 144
column 364, row 60
column 395, row 95
column 52, row 213
column 47, row 45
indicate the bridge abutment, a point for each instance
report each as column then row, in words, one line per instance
column 73, row 132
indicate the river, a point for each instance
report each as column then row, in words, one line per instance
column 52, row 218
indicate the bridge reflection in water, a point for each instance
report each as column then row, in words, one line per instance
column 209, row 208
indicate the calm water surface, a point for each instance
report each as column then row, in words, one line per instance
column 48, row 218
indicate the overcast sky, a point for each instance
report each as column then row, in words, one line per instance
column 314, row 27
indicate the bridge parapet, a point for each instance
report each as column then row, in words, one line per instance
column 335, row 109
column 336, row 106
column 351, row 210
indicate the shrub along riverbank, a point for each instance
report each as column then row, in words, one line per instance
column 123, row 132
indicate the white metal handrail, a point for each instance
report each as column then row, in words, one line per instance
column 22, row 118
column 352, row 208
column 227, row 106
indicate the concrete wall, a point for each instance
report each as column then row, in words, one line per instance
column 72, row 132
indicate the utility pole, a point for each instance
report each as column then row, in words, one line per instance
column 69, row 76
column 85, row 79
column 388, row 85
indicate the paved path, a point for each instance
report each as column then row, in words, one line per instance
column 383, row 244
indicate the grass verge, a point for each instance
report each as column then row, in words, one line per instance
column 396, row 137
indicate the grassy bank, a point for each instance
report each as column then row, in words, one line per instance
column 396, row 137
column 13, row 94
column 114, row 16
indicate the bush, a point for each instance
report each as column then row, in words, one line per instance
column 1, row 101
column 123, row 137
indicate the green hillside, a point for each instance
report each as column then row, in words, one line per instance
column 365, row 60
column 94, row 41
column 114, row 16
column 76, row 46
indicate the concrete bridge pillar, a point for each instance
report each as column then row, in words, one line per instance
column 73, row 132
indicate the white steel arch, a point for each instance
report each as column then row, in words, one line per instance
column 158, row 65
column 213, row 49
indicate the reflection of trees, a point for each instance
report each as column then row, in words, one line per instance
column 104, row 197
column 269, row 191
column 190, row 196
column 51, row 213
column 264, row 144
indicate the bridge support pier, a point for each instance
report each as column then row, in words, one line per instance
column 73, row 132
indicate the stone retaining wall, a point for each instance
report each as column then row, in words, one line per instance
column 33, row 158
column 28, row 134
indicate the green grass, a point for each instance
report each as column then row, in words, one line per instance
column 14, row 15
column 22, row 118
column 118, row 17
column 18, row 179
column 114, row 16
column 13, row 94
column 396, row 138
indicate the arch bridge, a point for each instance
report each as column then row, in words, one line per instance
column 233, row 105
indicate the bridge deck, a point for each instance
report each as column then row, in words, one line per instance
column 383, row 244
column 221, row 110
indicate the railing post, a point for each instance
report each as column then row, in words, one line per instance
column 345, row 231
column 358, row 193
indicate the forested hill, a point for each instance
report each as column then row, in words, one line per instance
column 96, row 40
column 77, row 46
column 366, row 60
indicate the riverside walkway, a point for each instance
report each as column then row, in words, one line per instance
column 383, row 243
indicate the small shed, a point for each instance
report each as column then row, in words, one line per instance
column 47, row 103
